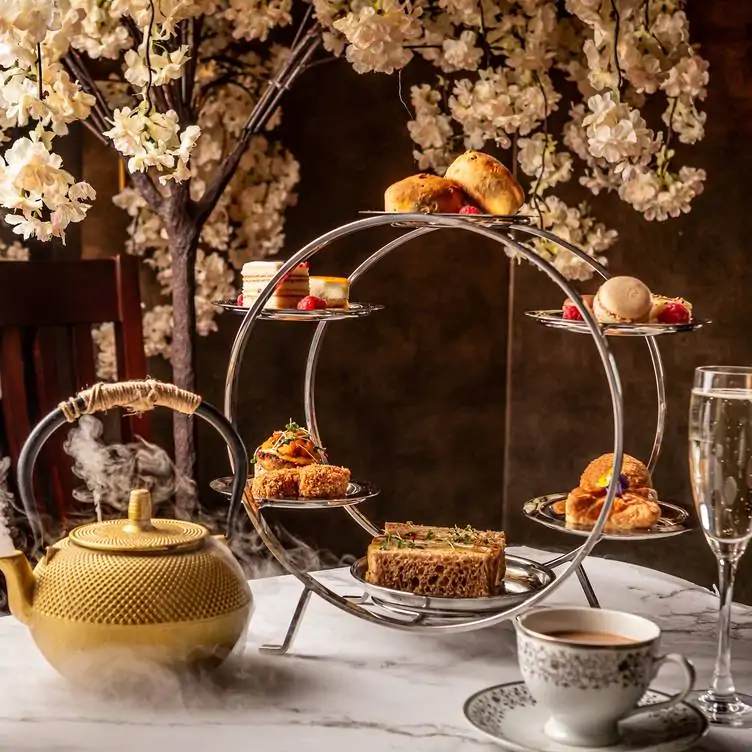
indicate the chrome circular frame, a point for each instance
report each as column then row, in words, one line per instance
column 425, row 224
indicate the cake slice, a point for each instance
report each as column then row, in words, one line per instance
column 289, row 291
column 456, row 535
column 434, row 567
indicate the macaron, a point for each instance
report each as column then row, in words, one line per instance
column 622, row 300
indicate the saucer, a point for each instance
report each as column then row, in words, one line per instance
column 510, row 717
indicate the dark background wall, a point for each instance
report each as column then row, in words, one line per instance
column 451, row 400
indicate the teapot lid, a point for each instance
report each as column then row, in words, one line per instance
column 139, row 532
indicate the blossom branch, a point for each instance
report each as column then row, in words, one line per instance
column 263, row 110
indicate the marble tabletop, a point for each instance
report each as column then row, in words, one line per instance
column 346, row 685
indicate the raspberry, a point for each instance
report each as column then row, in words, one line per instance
column 571, row 313
column 311, row 303
column 239, row 301
column 674, row 313
column 469, row 209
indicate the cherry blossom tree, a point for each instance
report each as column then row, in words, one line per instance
column 188, row 92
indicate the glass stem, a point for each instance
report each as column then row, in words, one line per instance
column 722, row 687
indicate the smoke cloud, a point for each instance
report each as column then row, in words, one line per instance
column 111, row 471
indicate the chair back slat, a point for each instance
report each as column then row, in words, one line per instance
column 50, row 385
column 47, row 310
column 82, row 353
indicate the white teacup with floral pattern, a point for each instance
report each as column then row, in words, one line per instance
column 589, row 687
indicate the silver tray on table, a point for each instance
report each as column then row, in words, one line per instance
column 522, row 579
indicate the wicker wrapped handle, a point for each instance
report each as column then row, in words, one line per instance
column 134, row 396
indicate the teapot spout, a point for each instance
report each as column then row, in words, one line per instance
column 20, row 580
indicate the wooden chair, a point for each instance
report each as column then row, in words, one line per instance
column 47, row 352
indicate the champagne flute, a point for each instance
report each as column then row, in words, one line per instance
column 720, row 460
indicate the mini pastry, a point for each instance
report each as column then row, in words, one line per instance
column 292, row 448
column 570, row 312
column 426, row 194
column 334, row 290
column 670, row 310
column 597, row 475
column 635, row 505
column 276, row 484
column 488, row 183
column 622, row 300
column 288, row 293
column 630, row 511
column 323, row 481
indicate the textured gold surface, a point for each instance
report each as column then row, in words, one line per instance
column 101, row 588
column 122, row 591
column 115, row 535
column 139, row 532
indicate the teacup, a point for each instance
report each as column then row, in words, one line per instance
column 589, row 668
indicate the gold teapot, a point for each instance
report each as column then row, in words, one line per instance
column 127, row 591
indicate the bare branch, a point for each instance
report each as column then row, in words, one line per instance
column 78, row 65
column 93, row 129
column 148, row 190
column 188, row 79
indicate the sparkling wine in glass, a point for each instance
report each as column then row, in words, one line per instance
column 720, row 460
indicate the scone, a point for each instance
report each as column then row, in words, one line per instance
column 597, row 475
column 425, row 194
column 491, row 186
column 622, row 300
column 323, row 481
column 276, row 484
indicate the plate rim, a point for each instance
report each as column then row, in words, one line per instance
column 354, row 310
column 447, row 603
column 553, row 317
column 365, row 491
column 704, row 724
column 584, row 532
column 499, row 218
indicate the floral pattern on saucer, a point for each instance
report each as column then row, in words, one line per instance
column 511, row 717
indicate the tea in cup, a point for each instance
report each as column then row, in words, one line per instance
column 589, row 668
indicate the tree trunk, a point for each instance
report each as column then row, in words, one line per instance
column 184, row 244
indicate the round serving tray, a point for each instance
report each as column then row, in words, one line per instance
column 554, row 318
column 356, row 493
column 673, row 520
column 522, row 579
column 488, row 220
column 353, row 311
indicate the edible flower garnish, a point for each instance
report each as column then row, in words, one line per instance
column 622, row 483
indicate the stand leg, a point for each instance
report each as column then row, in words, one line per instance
column 292, row 629
column 587, row 587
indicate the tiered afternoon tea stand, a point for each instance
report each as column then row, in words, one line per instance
column 527, row 583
